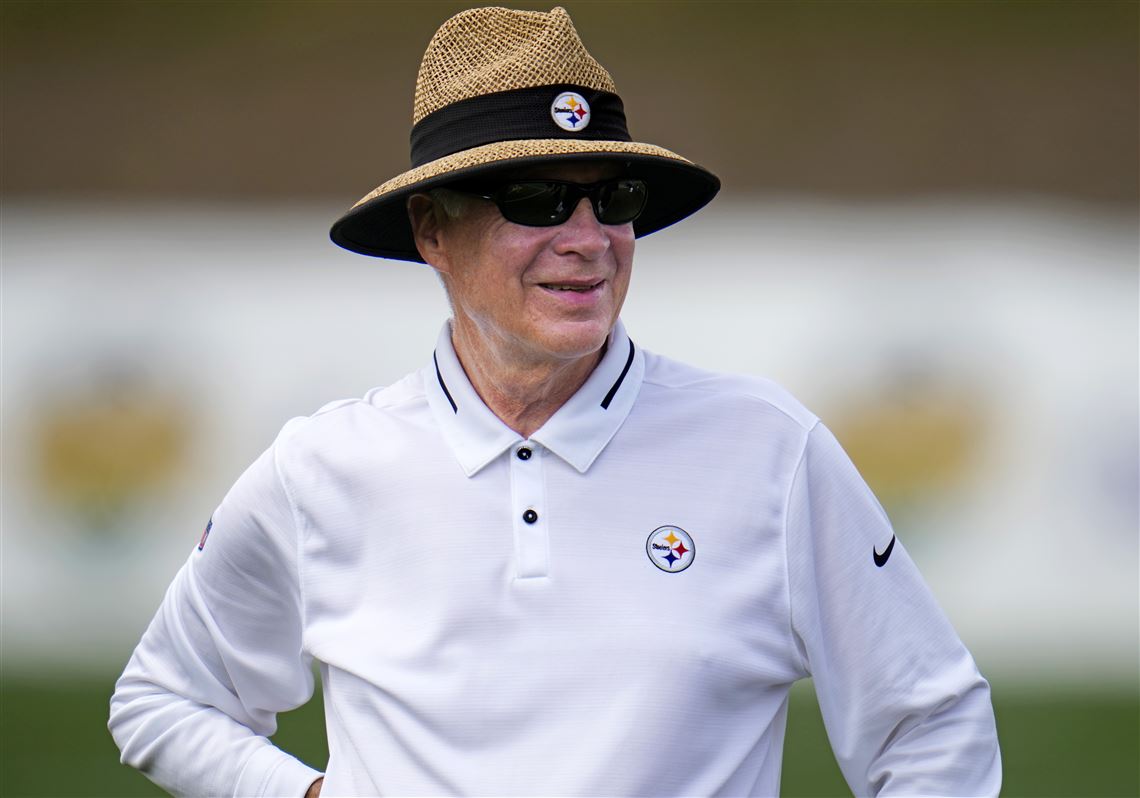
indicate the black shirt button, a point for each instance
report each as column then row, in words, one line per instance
column 530, row 516
column 523, row 453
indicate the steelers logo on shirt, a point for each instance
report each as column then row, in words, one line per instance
column 670, row 548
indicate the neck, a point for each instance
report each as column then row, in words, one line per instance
column 523, row 394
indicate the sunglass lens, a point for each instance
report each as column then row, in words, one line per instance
column 536, row 204
column 540, row 203
column 621, row 201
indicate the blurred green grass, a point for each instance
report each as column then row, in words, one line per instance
column 1055, row 742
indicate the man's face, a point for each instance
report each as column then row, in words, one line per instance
column 536, row 294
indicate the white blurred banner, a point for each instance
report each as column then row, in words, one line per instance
column 979, row 360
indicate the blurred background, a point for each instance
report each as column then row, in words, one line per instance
column 928, row 232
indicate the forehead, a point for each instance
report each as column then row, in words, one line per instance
column 572, row 171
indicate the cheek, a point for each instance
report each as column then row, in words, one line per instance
column 623, row 254
column 492, row 279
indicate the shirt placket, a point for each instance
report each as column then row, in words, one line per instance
column 528, row 511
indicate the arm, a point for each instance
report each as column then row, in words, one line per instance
column 906, row 710
column 199, row 697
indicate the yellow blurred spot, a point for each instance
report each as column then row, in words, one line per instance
column 911, row 445
column 103, row 451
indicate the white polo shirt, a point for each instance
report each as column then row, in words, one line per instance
column 616, row 606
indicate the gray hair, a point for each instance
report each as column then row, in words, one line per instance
column 453, row 204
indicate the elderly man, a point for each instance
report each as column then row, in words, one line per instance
column 549, row 562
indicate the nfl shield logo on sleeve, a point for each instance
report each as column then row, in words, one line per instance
column 205, row 534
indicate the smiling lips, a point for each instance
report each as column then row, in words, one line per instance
column 578, row 287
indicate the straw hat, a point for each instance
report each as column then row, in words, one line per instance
column 501, row 89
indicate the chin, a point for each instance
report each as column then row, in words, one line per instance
column 577, row 340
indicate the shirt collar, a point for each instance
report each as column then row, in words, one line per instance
column 577, row 432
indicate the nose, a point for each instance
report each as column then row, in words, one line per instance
column 582, row 234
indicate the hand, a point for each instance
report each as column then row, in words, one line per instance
column 315, row 788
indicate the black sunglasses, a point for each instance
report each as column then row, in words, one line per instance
column 546, row 203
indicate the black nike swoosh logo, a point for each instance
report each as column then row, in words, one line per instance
column 881, row 559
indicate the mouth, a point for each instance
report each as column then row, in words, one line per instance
column 575, row 287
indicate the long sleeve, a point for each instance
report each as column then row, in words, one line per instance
column 905, row 708
column 199, row 697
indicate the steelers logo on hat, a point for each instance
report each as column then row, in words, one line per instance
column 570, row 111
column 670, row 548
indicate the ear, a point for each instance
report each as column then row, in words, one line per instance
column 426, row 231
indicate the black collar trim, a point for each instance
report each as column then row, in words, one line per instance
column 443, row 385
column 610, row 396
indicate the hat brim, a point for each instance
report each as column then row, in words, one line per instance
column 378, row 224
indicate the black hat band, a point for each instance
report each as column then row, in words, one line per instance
column 513, row 115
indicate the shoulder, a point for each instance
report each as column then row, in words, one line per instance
column 736, row 397
column 344, row 420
